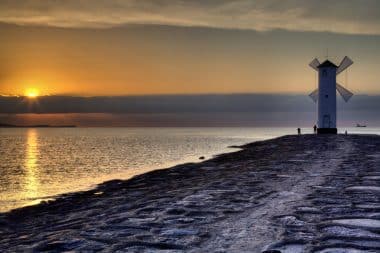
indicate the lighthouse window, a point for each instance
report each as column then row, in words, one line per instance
column 324, row 72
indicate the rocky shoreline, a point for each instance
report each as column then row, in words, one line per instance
column 294, row 194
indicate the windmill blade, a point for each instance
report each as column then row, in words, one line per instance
column 314, row 64
column 346, row 62
column 346, row 94
column 314, row 95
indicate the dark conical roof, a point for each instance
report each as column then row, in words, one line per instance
column 327, row 64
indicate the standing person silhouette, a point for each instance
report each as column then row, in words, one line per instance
column 315, row 128
column 299, row 131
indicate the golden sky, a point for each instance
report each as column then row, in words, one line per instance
column 99, row 49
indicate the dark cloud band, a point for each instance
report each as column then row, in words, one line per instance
column 255, row 103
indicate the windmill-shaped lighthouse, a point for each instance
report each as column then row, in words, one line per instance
column 325, row 94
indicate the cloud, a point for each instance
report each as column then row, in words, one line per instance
column 183, row 110
column 155, row 104
column 340, row 16
column 233, row 103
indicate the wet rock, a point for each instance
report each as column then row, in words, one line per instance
column 179, row 232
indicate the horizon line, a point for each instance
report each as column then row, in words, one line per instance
column 174, row 94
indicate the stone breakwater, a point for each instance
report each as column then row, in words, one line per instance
column 292, row 194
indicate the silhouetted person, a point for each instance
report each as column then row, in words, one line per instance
column 315, row 128
column 299, row 131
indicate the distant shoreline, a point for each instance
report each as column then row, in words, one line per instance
column 2, row 125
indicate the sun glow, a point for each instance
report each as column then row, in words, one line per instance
column 32, row 93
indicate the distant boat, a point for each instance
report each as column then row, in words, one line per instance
column 358, row 125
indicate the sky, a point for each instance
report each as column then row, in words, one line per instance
column 127, row 48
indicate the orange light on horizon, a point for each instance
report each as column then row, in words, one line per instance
column 32, row 93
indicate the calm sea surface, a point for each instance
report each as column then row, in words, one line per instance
column 39, row 163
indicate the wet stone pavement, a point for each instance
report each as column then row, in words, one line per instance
column 293, row 194
column 343, row 213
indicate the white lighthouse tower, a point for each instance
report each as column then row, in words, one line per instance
column 325, row 94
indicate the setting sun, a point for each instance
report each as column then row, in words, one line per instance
column 32, row 93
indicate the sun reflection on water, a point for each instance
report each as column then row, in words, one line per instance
column 31, row 167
